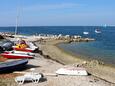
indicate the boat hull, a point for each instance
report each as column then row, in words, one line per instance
column 31, row 48
column 16, row 56
column 97, row 31
column 20, row 49
column 20, row 52
column 71, row 71
column 86, row 33
column 13, row 65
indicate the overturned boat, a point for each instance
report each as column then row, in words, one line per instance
column 12, row 65
column 72, row 71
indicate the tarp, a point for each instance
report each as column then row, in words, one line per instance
column 6, row 44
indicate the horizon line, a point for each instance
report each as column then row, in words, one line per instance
column 58, row 26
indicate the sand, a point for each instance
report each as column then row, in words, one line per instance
column 49, row 66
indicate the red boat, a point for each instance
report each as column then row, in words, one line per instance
column 23, row 49
column 31, row 48
column 16, row 55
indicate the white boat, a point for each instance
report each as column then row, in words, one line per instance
column 21, row 52
column 85, row 33
column 97, row 31
column 32, row 45
column 10, row 55
column 72, row 71
column 32, row 48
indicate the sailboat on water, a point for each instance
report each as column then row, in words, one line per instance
column 105, row 26
column 85, row 33
column 97, row 31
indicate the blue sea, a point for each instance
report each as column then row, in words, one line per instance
column 102, row 49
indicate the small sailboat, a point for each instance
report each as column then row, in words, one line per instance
column 30, row 47
column 97, row 31
column 105, row 26
column 86, row 33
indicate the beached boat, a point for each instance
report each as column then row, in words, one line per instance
column 97, row 31
column 12, row 65
column 86, row 33
column 11, row 55
column 20, row 52
column 31, row 47
column 6, row 44
column 23, row 49
column 72, row 71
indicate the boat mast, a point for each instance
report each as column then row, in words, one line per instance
column 17, row 20
column 16, row 28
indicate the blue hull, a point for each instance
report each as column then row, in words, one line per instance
column 12, row 66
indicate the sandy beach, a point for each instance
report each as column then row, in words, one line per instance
column 46, row 66
column 49, row 66
column 96, row 69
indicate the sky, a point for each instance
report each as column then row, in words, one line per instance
column 57, row 12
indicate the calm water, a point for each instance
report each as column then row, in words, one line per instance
column 102, row 49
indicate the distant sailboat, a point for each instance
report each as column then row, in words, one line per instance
column 97, row 31
column 105, row 25
column 86, row 33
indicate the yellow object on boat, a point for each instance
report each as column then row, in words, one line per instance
column 21, row 46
